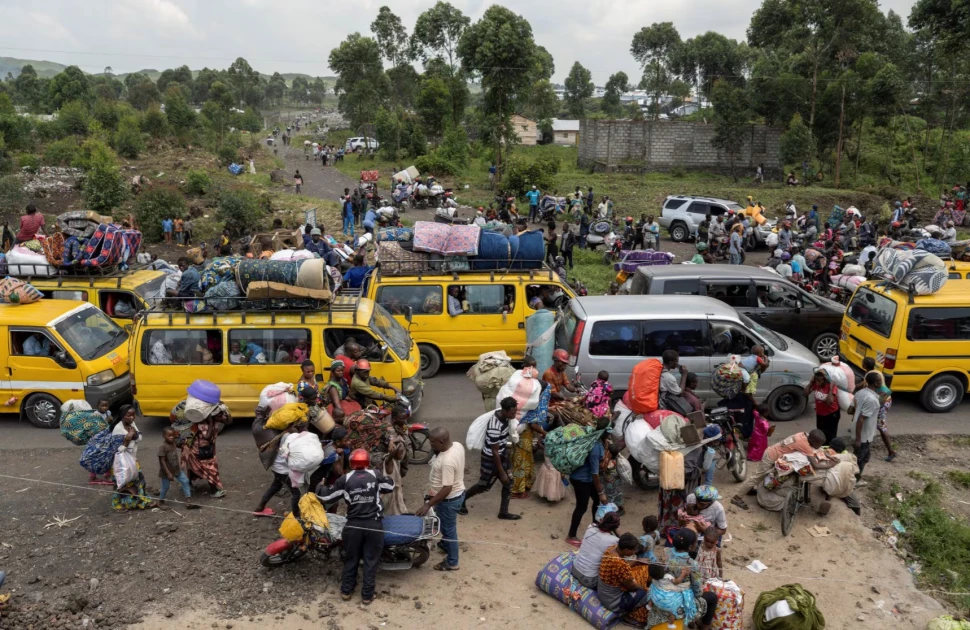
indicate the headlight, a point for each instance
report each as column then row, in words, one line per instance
column 410, row 385
column 101, row 378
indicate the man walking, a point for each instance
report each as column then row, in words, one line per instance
column 866, row 414
column 298, row 181
column 364, row 533
column 533, row 197
column 735, row 241
column 447, row 493
column 495, row 460
column 567, row 244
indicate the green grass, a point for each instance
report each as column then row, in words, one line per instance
column 592, row 270
column 940, row 540
column 959, row 477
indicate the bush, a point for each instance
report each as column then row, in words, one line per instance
column 156, row 204
column 104, row 185
column 197, row 182
column 240, row 211
column 62, row 152
column 128, row 141
column 11, row 192
column 74, row 118
column 227, row 155
column 47, row 130
column 154, row 123
column 28, row 162
column 207, row 230
column 454, row 147
column 435, row 164
column 107, row 113
column 521, row 174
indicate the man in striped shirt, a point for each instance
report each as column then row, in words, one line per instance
column 495, row 459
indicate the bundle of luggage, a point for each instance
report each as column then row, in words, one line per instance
column 230, row 282
column 917, row 269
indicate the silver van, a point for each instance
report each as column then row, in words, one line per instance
column 614, row 333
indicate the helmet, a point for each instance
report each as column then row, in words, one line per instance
column 785, row 256
column 363, row 364
column 560, row 260
column 896, row 224
column 629, row 219
column 359, row 459
column 701, row 246
column 560, row 355
column 899, row 204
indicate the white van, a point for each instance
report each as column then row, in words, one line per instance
column 614, row 333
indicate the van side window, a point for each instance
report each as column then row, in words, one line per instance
column 486, row 299
column 731, row 293
column 117, row 303
column 66, row 294
column 777, row 295
column 687, row 338
column 615, row 339
column 271, row 345
column 32, row 343
column 335, row 341
column 423, row 299
column 680, row 287
column 729, row 339
column 938, row 324
column 551, row 295
column 182, row 347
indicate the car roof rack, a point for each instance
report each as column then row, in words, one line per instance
column 909, row 290
column 75, row 272
column 419, row 268
column 177, row 315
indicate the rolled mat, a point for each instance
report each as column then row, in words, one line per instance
column 556, row 579
column 312, row 274
column 806, row 615
column 281, row 271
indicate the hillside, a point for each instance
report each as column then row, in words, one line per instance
column 13, row 65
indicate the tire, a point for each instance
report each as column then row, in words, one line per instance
column 421, row 452
column 641, row 476
column 942, row 393
column 787, row 403
column 288, row 556
column 826, row 345
column 739, row 466
column 43, row 411
column 421, row 556
column 430, row 360
column 789, row 512
column 679, row 232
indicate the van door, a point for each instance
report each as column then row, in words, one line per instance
column 426, row 302
column 780, row 308
column 165, row 360
column 689, row 339
column 31, row 366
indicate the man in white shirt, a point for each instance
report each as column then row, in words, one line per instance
column 866, row 414
column 447, row 492
column 950, row 234
column 454, row 304
column 669, row 383
column 784, row 268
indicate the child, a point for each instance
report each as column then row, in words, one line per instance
column 105, row 413
column 709, row 556
column 760, row 434
column 649, row 540
column 690, row 517
column 300, row 352
column 672, row 595
column 598, row 397
column 169, row 468
column 885, row 402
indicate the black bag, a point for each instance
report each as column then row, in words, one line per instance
column 677, row 404
column 207, row 452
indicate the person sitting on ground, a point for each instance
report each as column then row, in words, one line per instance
column 669, row 596
column 623, row 580
column 804, row 443
column 599, row 537
column 680, row 557
column 698, row 258
column 706, row 498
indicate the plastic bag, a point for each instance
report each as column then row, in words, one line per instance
column 286, row 415
column 125, row 468
column 291, row 529
column 839, row 481
column 671, row 470
column 624, row 468
column 276, row 395
column 475, row 438
column 603, row 510
column 524, row 389
column 75, row 405
column 303, row 452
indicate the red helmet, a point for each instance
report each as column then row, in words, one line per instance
column 561, row 355
column 359, row 459
column 363, row 364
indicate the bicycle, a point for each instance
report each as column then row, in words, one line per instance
column 795, row 501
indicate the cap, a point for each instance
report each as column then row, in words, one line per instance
column 560, row 355
column 363, row 364
column 785, row 256
column 315, row 232
column 359, row 459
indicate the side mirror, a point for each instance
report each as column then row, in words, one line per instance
column 65, row 360
column 408, row 314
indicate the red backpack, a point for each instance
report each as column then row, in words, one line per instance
column 643, row 392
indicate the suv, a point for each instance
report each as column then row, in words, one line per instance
column 681, row 214
column 762, row 295
column 361, row 143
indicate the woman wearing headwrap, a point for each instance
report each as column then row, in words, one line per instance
column 336, row 394
column 199, row 449
column 533, row 426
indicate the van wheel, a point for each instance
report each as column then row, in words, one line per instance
column 787, row 403
column 826, row 345
column 43, row 410
column 430, row 360
column 942, row 393
column 679, row 232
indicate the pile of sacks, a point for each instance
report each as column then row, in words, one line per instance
column 492, row 371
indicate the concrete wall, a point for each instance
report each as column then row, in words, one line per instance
column 660, row 145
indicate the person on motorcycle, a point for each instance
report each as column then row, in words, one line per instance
column 717, row 230
column 364, row 387
column 560, row 268
column 363, row 535
column 784, row 268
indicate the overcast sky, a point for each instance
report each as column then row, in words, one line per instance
column 297, row 35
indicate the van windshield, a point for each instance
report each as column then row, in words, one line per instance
column 873, row 311
column 91, row 333
column 393, row 334
column 771, row 336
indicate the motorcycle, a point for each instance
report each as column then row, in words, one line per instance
column 730, row 449
column 600, row 233
column 418, row 444
column 406, row 541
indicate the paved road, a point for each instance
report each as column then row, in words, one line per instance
column 451, row 400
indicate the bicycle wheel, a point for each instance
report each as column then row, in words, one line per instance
column 790, row 511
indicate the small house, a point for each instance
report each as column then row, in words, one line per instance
column 565, row 132
column 526, row 129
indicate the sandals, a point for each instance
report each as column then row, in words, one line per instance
column 739, row 502
column 265, row 512
column 443, row 566
column 521, row 495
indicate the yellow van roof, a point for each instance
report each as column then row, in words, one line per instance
column 544, row 274
column 42, row 313
column 343, row 310
column 953, row 292
column 130, row 281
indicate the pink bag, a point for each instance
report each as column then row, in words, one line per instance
column 759, row 438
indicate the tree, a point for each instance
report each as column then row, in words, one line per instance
column 437, row 33
column 216, row 109
column 318, row 91
column 579, row 87
column 245, row 82
column 104, row 185
column 542, row 105
column 28, row 88
column 362, row 85
column 154, row 123
column 392, row 37
column 405, row 83
column 655, row 48
column 181, row 117
column 796, row 142
column 128, row 141
column 203, row 82
column 434, row 106
column 705, row 59
column 144, row 95
column 617, row 84
column 731, row 113
column 300, row 89
column 500, row 49
column 181, row 75
column 276, row 88
column 74, row 118
column 106, row 87
column 134, row 78
column 69, row 85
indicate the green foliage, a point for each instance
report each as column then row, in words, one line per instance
column 249, row 120
column 240, row 211
column 181, row 117
column 454, row 148
column 228, row 154
column 12, row 192
column 143, row 94
column 731, row 112
column 796, row 142
column 16, row 131
column 74, row 119
column 154, row 123
column 206, row 230
column 434, row 105
column 522, row 173
column 28, row 162
column 434, row 164
column 579, row 87
column 107, row 113
column 61, row 152
column 197, row 182
column 69, row 85
column 959, row 477
column 362, row 85
column 617, row 84
column 656, row 47
column 128, row 141
column 156, row 204
column 104, row 185
column 6, row 105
